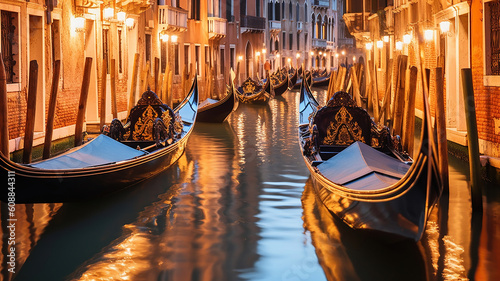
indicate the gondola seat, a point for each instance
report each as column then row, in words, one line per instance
column 249, row 87
column 149, row 121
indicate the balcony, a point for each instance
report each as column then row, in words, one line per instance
column 300, row 26
column 274, row 26
column 330, row 45
column 321, row 3
column 345, row 41
column 216, row 28
column 354, row 22
column 252, row 24
column 319, row 43
column 172, row 19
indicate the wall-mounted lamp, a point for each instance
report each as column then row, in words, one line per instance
column 407, row 38
column 312, row 53
column 444, row 26
column 369, row 46
column 79, row 24
column 343, row 52
column 353, row 58
column 121, row 17
column 324, row 54
column 428, row 34
column 257, row 53
column 130, row 23
column 336, row 55
column 108, row 13
column 297, row 55
column 240, row 58
column 278, row 55
column 164, row 37
column 380, row 44
column 173, row 38
column 399, row 45
column 264, row 51
column 385, row 38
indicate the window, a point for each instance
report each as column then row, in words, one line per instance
column 197, row 50
column 222, row 61
column 290, row 10
column 305, row 12
column 298, row 41
column 149, row 43
column 277, row 15
column 297, row 12
column 207, row 55
column 492, row 37
column 257, row 8
column 176, row 64
column 10, row 45
column 231, row 57
column 120, row 51
column 163, row 55
column 105, row 47
column 284, row 46
column 283, row 8
column 229, row 10
column 186, row 56
column 290, row 43
column 243, row 7
column 306, row 37
column 195, row 10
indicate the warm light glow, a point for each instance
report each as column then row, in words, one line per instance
column 240, row 57
column 264, row 51
column 444, row 26
column 289, row 59
column 380, row 44
column 324, row 54
column 369, row 46
column 343, row 52
column 429, row 34
column 385, row 38
column 312, row 53
column 277, row 55
column 399, row 45
column 320, row 53
column 257, row 53
column 108, row 13
column 407, row 38
column 297, row 55
column 173, row 38
column 129, row 22
column 164, row 37
column 336, row 55
column 79, row 24
column 121, row 16
column 353, row 58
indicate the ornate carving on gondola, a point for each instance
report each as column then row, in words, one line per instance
column 149, row 98
column 178, row 124
column 115, row 130
column 143, row 127
column 249, row 86
column 343, row 130
column 341, row 99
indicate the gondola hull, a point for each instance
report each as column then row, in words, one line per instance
column 219, row 111
column 399, row 208
column 293, row 80
column 281, row 88
column 321, row 81
column 261, row 96
column 37, row 185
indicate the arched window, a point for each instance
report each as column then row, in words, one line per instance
column 283, row 8
column 277, row 15
column 313, row 26
column 325, row 24
column 290, row 10
column 319, row 27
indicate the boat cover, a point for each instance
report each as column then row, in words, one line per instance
column 99, row 151
column 206, row 102
column 361, row 167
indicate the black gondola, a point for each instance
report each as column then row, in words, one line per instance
column 322, row 80
column 213, row 111
column 292, row 80
column 154, row 137
column 358, row 173
column 252, row 92
column 280, row 82
column 309, row 80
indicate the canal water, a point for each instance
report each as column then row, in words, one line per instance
column 239, row 205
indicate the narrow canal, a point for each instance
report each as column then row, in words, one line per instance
column 239, row 205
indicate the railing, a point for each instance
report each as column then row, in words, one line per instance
column 172, row 18
column 345, row 41
column 354, row 22
column 216, row 27
column 318, row 43
column 274, row 25
column 300, row 26
column 330, row 45
column 321, row 3
column 254, row 23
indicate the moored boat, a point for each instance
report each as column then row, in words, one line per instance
column 292, row 80
column 153, row 138
column 359, row 173
column 217, row 111
column 280, row 82
column 251, row 91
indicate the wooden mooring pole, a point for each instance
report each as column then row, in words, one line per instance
column 49, row 128
column 104, row 78
column 4, row 120
column 133, row 84
column 472, row 141
column 30, row 113
column 114, row 109
column 441, row 129
column 82, row 105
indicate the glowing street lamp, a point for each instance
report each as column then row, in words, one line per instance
column 173, row 38
column 108, row 13
column 129, row 22
column 428, row 34
column 121, row 16
column 444, row 26
column 312, row 53
column 385, row 38
column 343, row 52
column 79, row 24
column 369, row 46
column 240, row 58
column 407, row 38
column 399, row 45
column 164, row 37
column 380, row 44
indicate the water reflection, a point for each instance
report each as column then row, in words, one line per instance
column 346, row 254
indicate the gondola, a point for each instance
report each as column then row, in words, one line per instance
column 213, row 111
column 292, row 80
column 154, row 137
column 252, row 92
column 309, row 80
column 321, row 80
column 359, row 173
column 280, row 82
